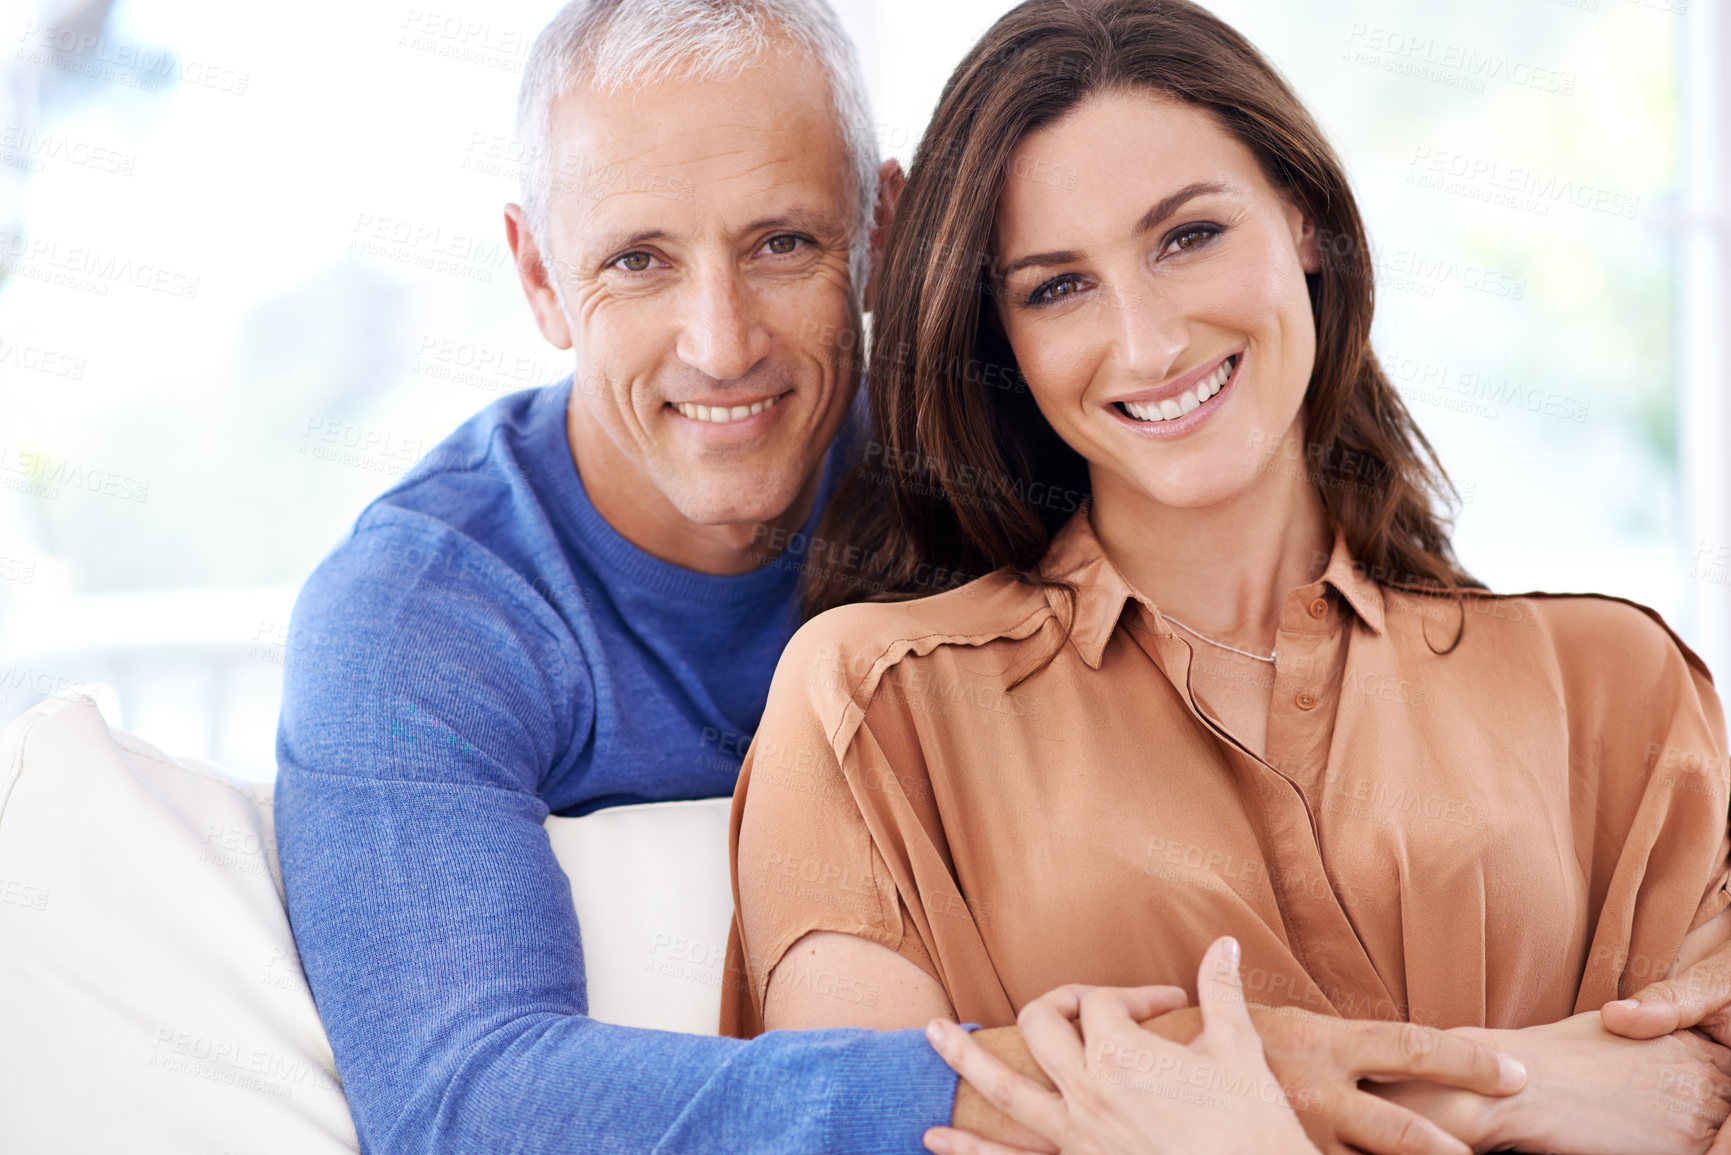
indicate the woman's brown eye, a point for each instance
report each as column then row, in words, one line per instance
column 1051, row 291
column 1190, row 238
column 634, row 262
column 781, row 246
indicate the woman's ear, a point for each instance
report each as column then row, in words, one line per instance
column 891, row 181
column 1304, row 237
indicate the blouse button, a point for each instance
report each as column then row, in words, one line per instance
column 1305, row 700
column 1319, row 608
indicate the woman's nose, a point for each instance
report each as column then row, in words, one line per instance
column 1151, row 334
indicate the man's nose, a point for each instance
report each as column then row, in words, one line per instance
column 1152, row 334
column 722, row 336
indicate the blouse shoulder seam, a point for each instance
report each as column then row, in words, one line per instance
column 879, row 666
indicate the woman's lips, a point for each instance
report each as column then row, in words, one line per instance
column 1173, row 417
column 1172, row 408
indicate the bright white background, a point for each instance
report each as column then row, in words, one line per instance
column 206, row 370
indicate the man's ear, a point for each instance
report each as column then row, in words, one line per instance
column 532, row 273
column 891, row 181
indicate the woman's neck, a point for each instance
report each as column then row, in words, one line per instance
column 1224, row 569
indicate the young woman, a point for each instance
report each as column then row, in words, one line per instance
column 1223, row 674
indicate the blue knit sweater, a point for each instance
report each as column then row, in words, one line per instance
column 483, row 650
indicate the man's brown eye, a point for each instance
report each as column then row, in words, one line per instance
column 783, row 245
column 634, row 262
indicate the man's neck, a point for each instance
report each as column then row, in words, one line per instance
column 629, row 501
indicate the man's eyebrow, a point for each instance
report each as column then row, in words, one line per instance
column 1163, row 209
column 803, row 219
column 619, row 242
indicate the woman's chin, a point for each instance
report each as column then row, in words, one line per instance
column 1198, row 485
column 1190, row 492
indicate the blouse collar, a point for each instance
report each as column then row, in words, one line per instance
column 1077, row 557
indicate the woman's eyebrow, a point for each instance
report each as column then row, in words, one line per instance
column 1163, row 209
column 1061, row 257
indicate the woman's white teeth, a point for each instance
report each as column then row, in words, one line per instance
column 1186, row 402
column 721, row 414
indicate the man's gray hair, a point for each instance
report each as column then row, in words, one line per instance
column 612, row 45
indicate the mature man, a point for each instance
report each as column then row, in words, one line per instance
column 551, row 613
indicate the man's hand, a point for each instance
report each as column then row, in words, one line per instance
column 1698, row 997
column 1126, row 1091
column 1590, row 1093
column 1320, row 1061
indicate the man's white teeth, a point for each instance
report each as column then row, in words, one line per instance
column 721, row 414
column 1188, row 401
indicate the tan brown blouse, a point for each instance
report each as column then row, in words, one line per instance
column 1501, row 834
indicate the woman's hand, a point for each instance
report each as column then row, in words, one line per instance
column 1589, row 1092
column 1125, row 1091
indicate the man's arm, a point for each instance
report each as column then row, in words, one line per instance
column 1319, row 1060
column 423, row 705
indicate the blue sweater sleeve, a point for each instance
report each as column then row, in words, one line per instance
column 436, row 928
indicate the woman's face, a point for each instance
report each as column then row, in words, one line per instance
column 1151, row 282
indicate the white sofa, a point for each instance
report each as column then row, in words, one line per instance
column 149, row 984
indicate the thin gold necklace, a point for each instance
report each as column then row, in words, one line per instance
column 1222, row 645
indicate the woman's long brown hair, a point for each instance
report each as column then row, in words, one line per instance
column 962, row 475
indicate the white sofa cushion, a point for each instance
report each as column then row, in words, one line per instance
column 150, row 991
column 654, row 898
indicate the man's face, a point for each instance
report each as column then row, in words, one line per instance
column 699, row 242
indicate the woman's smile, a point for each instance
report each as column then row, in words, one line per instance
column 1177, row 409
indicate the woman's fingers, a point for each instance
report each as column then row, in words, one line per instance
column 1225, row 1019
column 1052, row 1038
column 1141, row 1003
column 949, row 1141
column 1066, row 1000
column 1017, row 1096
column 1381, row 1128
column 1111, row 1016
